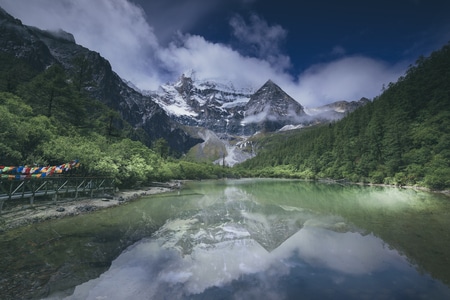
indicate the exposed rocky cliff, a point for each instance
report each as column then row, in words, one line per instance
column 270, row 108
column 218, row 107
column 228, row 113
column 40, row 49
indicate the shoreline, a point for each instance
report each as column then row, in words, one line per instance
column 37, row 213
column 41, row 212
column 413, row 187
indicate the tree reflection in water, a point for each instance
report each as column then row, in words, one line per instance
column 232, row 244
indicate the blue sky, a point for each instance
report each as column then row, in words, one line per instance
column 318, row 51
column 320, row 30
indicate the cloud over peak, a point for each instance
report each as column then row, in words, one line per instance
column 120, row 31
column 347, row 78
column 261, row 40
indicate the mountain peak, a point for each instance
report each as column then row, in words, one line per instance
column 271, row 91
column 271, row 94
column 270, row 84
column 184, row 85
column 271, row 105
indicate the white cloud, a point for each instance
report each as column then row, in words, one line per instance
column 119, row 31
column 348, row 78
column 217, row 61
column 261, row 40
column 219, row 254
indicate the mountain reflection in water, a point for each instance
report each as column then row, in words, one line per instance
column 233, row 246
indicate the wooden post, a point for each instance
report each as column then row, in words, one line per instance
column 76, row 189
column 33, row 191
column 1, row 205
column 91, row 186
column 10, row 191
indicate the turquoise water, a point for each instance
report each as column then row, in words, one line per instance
column 244, row 239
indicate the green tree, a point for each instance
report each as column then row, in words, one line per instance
column 401, row 137
column 82, row 72
column 13, row 72
column 161, row 147
column 21, row 133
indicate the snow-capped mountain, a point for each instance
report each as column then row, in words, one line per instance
column 218, row 107
column 225, row 117
column 226, row 110
column 270, row 108
column 211, row 117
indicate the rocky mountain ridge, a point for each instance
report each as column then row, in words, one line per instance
column 40, row 49
column 227, row 110
column 226, row 118
column 176, row 112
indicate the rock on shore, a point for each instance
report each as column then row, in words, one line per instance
column 71, row 207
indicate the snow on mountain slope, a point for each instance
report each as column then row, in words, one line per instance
column 191, row 98
column 231, row 115
column 173, row 102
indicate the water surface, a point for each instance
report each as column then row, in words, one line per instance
column 250, row 239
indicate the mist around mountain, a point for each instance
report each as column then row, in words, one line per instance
column 60, row 101
column 402, row 137
column 231, row 117
column 225, row 109
column 90, row 74
column 231, row 114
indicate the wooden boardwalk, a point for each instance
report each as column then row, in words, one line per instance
column 53, row 188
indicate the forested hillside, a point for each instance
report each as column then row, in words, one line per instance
column 47, row 119
column 402, row 137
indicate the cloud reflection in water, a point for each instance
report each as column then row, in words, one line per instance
column 239, row 249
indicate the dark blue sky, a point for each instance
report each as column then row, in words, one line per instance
column 318, row 51
column 319, row 30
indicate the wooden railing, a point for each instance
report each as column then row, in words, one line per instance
column 54, row 188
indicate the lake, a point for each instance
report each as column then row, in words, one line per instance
column 240, row 239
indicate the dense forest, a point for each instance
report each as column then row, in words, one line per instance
column 402, row 137
column 47, row 119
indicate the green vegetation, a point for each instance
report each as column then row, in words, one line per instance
column 46, row 119
column 402, row 137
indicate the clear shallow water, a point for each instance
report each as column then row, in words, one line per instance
column 264, row 239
